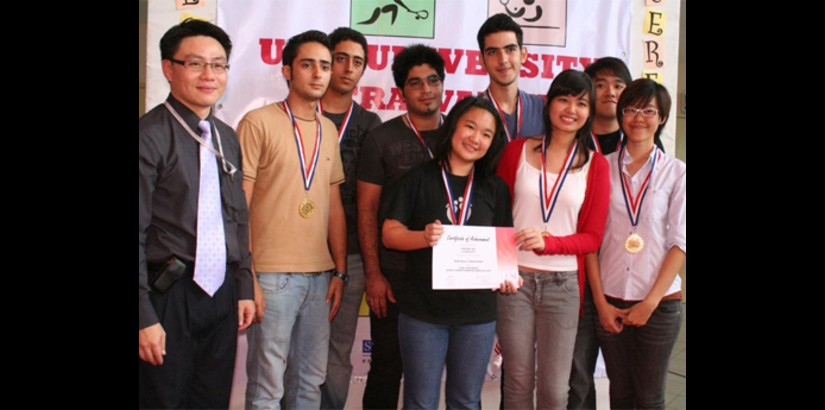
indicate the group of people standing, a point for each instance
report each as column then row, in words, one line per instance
column 314, row 201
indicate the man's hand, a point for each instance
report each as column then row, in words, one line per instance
column 378, row 291
column 152, row 344
column 260, row 303
column 335, row 293
column 246, row 311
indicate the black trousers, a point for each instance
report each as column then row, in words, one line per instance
column 201, row 339
column 384, row 378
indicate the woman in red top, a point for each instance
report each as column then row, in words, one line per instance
column 560, row 193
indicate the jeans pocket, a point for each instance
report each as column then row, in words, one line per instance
column 670, row 307
column 274, row 283
column 570, row 283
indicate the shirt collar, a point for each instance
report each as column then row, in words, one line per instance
column 191, row 119
column 626, row 159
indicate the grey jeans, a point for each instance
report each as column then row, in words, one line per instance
column 537, row 331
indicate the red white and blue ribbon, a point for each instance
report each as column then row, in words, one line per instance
column 519, row 104
column 464, row 213
column 599, row 148
column 418, row 133
column 344, row 124
column 307, row 170
column 549, row 198
column 632, row 205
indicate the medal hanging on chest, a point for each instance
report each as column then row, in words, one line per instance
column 550, row 197
column 634, row 242
column 308, row 166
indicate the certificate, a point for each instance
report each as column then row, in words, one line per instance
column 474, row 257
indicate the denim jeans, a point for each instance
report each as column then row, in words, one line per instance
column 582, row 388
column 287, row 356
column 637, row 358
column 335, row 389
column 537, row 330
column 427, row 347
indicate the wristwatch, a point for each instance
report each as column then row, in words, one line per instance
column 341, row 275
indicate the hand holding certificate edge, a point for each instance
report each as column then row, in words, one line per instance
column 530, row 239
column 432, row 233
column 509, row 287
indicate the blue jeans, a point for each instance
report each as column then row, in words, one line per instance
column 427, row 347
column 582, row 388
column 537, row 330
column 287, row 356
column 335, row 389
column 637, row 358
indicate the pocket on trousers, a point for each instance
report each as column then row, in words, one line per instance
column 274, row 283
column 670, row 307
column 570, row 284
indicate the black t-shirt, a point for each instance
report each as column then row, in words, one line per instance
column 421, row 199
column 360, row 122
column 388, row 152
column 609, row 143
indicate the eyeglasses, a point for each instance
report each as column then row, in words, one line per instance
column 198, row 66
column 647, row 112
column 417, row 83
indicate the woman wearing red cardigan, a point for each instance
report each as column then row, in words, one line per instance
column 560, row 193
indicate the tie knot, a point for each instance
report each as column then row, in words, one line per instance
column 205, row 128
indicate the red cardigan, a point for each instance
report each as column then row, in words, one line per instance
column 592, row 216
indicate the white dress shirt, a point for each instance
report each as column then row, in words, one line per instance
column 661, row 224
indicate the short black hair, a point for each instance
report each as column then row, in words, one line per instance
column 609, row 65
column 345, row 33
column 170, row 42
column 294, row 43
column 575, row 83
column 412, row 56
column 486, row 166
column 497, row 23
column 640, row 93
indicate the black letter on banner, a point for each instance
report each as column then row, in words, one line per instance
column 654, row 23
column 651, row 49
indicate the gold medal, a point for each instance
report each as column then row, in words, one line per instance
column 306, row 208
column 545, row 234
column 634, row 243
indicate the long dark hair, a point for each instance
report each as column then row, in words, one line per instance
column 486, row 166
column 575, row 83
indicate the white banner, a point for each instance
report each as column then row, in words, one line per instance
column 260, row 29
